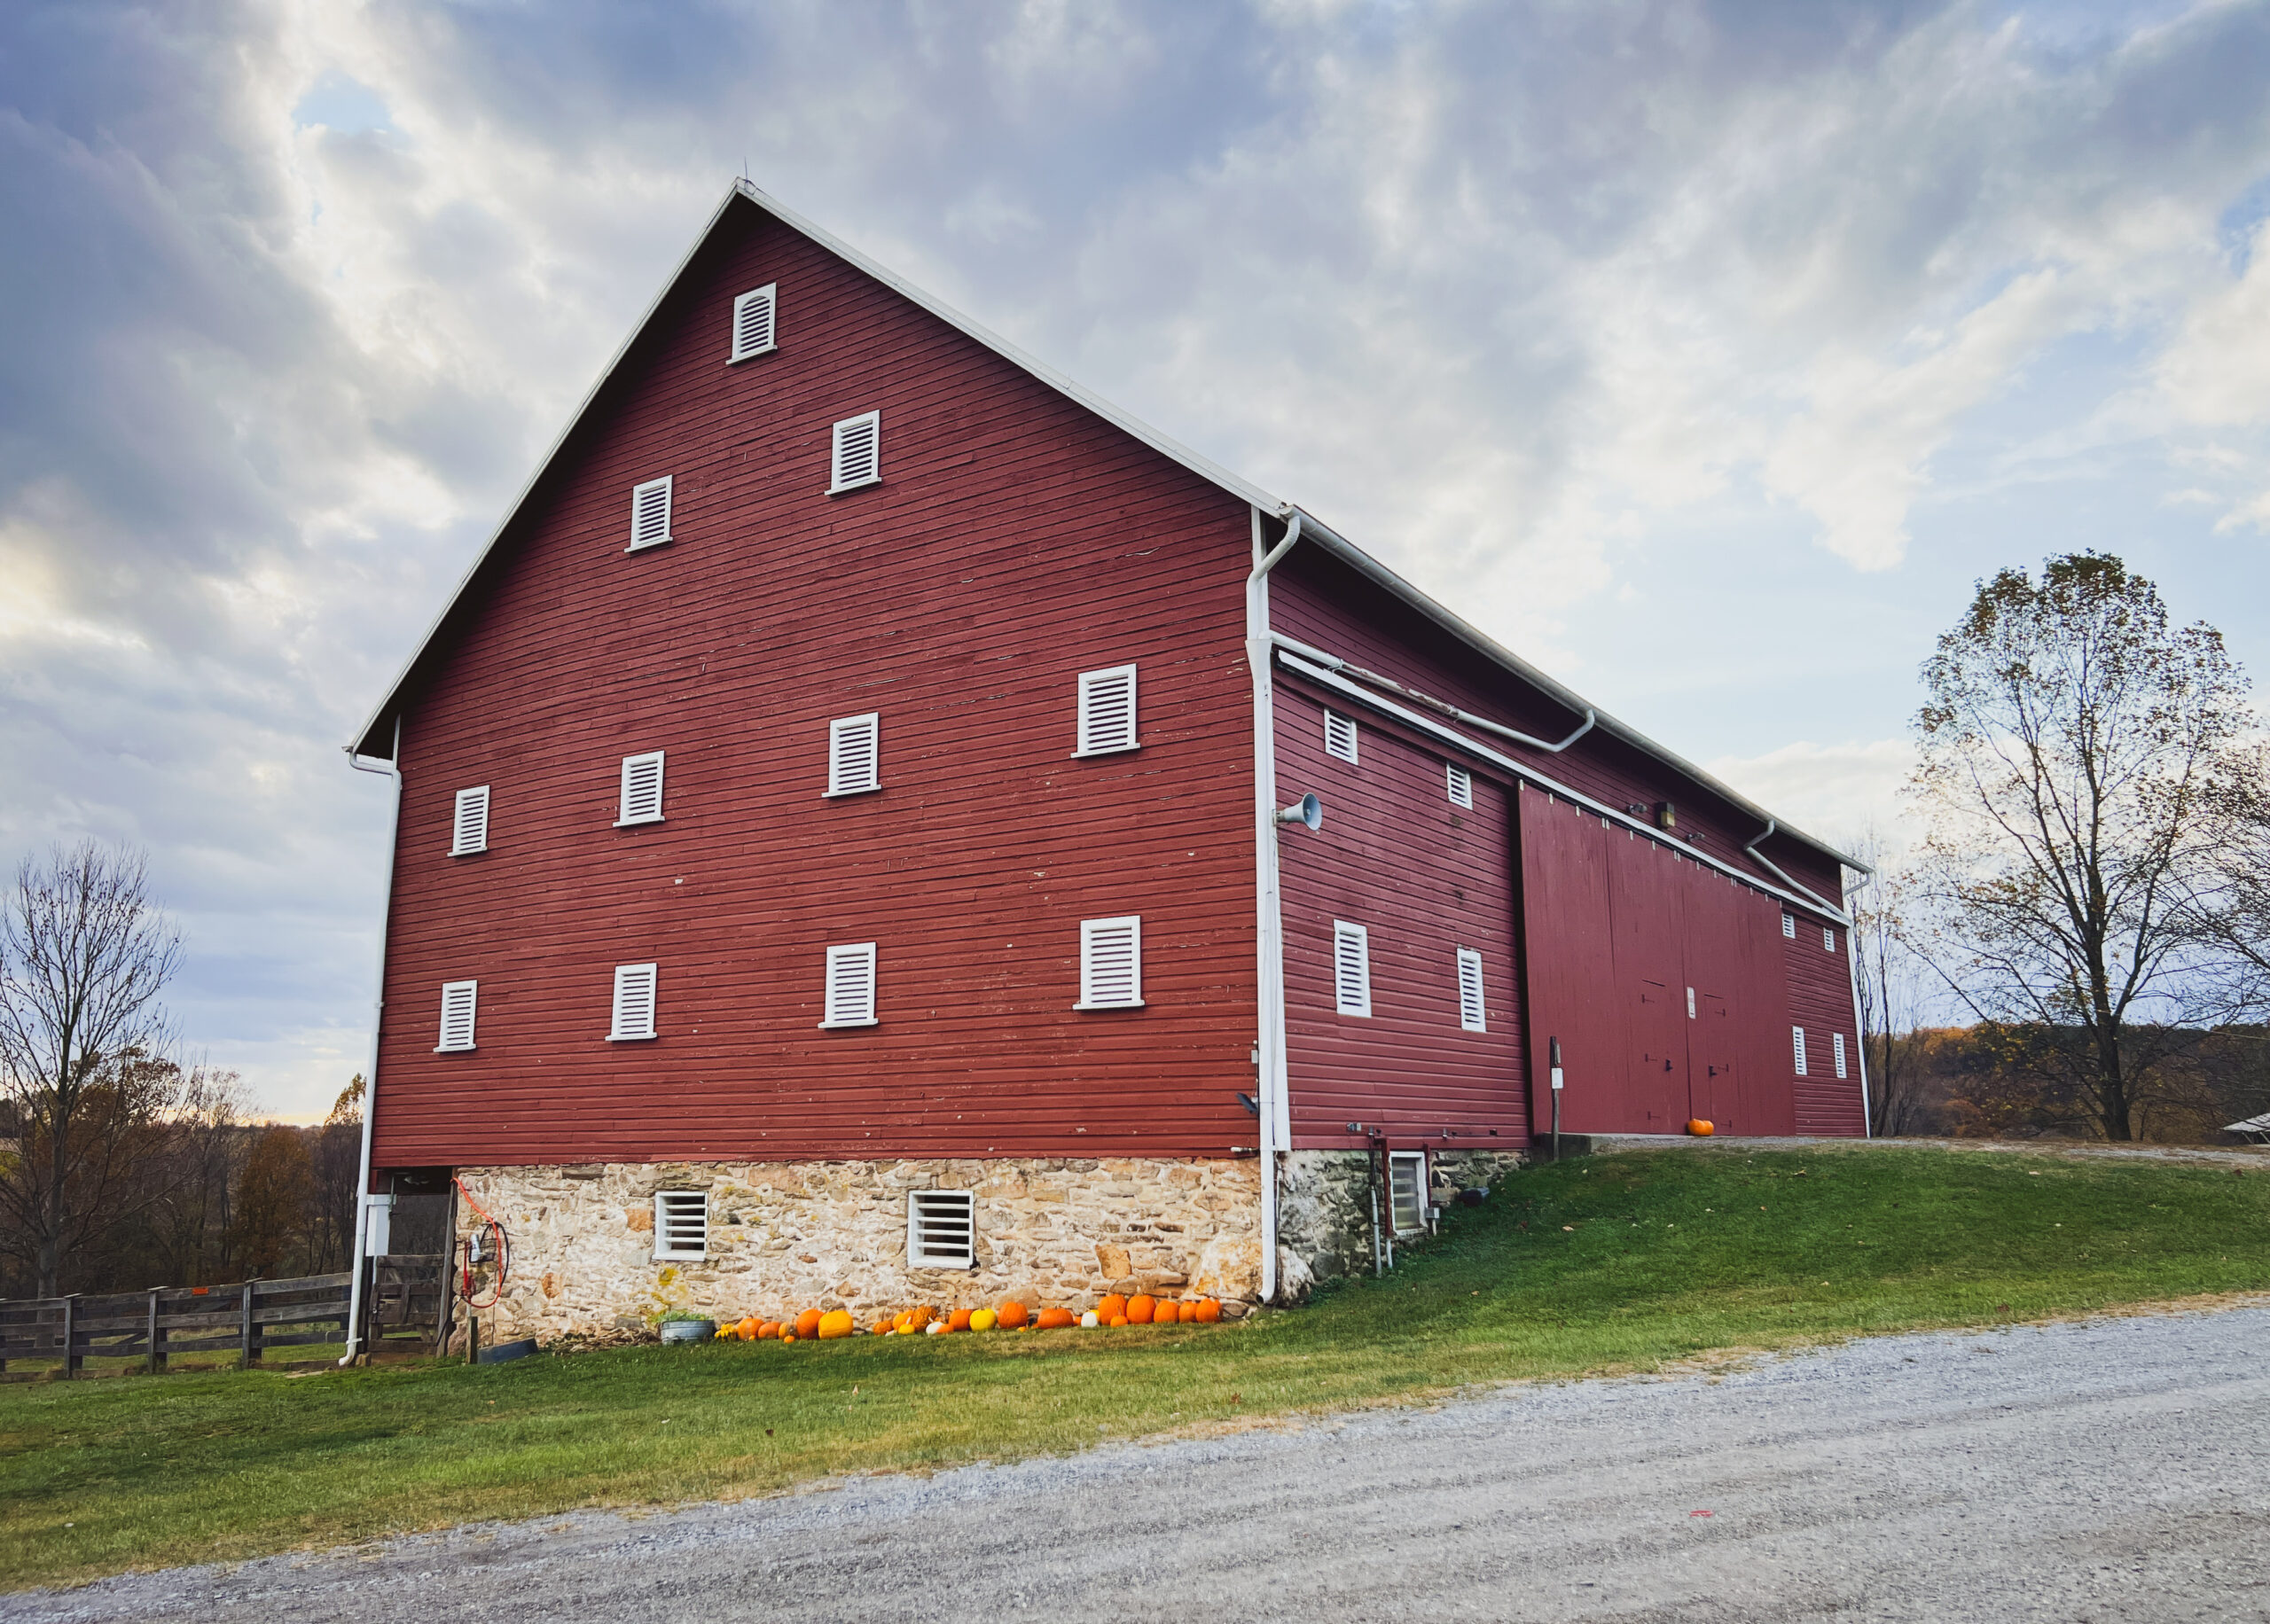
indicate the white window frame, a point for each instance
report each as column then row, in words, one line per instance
column 631, row 764
column 1340, row 741
column 1836, row 1048
column 469, row 994
column 470, row 814
column 836, row 1016
column 1360, row 1003
column 1473, row 1014
column 951, row 1212
column 836, row 483
column 1414, row 1164
column 1829, row 939
column 838, row 731
column 771, row 295
column 1797, row 1042
column 627, row 978
column 638, row 493
column 1460, row 783
column 671, row 1226
column 1090, row 929
column 1086, row 731
column 1788, row 925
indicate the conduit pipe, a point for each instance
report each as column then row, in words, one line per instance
column 1276, row 1116
column 392, row 770
column 1333, row 662
column 1771, row 867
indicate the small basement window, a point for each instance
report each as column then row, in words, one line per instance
column 1461, row 787
column 1107, row 721
column 1339, row 736
column 650, row 515
column 1111, row 963
column 941, row 1229
column 642, row 790
column 469, row 829
column 1351, row 968
column 855, row 755
column 634, row 1003
column 1470, row 1013
column 1797, row 1040
column 1836, row 1047
column 457, row 1000
column 681, row 1223
column 857, row 458
column 1406, row 1191
column 851, row 986
column 1790, row 927
column 753, row 322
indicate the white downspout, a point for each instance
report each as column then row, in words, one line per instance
column 392, row 770
column 1276, row 1113
column 1852, row 971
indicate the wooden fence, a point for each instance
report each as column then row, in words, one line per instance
column 408, row 1304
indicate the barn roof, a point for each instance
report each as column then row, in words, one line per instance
column 374, row 738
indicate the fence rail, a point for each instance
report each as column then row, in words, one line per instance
column 407, row 1306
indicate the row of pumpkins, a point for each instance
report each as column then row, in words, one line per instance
column 812, row 1326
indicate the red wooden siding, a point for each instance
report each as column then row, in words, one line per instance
column 1016, row 541
column 1425, row 878
column 1820, row 1000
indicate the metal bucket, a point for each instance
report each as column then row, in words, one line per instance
column 688, row 1331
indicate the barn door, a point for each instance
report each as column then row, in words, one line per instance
column 1712, row 1047
column 1658, row 1063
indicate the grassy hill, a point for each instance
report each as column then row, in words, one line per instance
column 1610, row 1263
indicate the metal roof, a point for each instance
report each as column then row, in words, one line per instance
column 371, row 738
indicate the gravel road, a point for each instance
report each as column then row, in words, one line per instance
column 2118, row 1470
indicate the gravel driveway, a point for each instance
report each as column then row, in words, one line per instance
column 2119, row 1470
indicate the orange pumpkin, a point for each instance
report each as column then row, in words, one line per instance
column 1187, row 1313
column 1701, row 1128
column 1139, row 1310
column 750, row 1326
column 900, row 1320
column 787, row 1336
column 919, row 1319
column 768, row 1330
column 1010, row 1315
column 1209, row 1312
column 1116, row 1321
column 1109, row 1305
column 882, row 1327
column 958, row 1320
column 807, row 1323
column 1056, row 1319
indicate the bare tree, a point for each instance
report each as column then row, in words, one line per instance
column 83, row 956
column 338, row 1153
column 1888, row 981
column 2069, row 752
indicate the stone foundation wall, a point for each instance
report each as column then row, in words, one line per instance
column 789, row 1236
column 1324, row 1207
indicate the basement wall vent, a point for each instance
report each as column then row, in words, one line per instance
column 1406, row 1191
column 681, row 1223
column 941, row 1229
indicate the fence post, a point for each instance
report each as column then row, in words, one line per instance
column 70, row 1336
column 244, row 1359
column 157, row 1359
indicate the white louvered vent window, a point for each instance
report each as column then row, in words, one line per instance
column 1107, row 711
column 650, row 515
column 941, row 1229
column 1836, row 1048
column 850, row 985
column 642, row 790
column 457, row 1000
column 1351, row 968
column 1471, row 1015
column 1797, row 1040
column 1339, row 736
column 469, row 830
column 1790, row 927
column 634, row 1003
column 681, row 1223
column 855, row 755
column 1829, row 939
column 859, row 458
column 1461, row 785
column 1111, row 963
column 1406, row 1190
column 753, row 322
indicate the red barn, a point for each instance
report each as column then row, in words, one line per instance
column 840, row 854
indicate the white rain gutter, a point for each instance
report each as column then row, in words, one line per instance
column 1273, row 1085
column 1333, row 662
column 1775, row 869
column 392, row 770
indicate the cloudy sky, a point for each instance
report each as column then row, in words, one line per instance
column 1706, row 353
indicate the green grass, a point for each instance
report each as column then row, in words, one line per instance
column 1670, row 1254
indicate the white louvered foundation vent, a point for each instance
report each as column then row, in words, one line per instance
column 469, row 829
column 650, row 515
column 753, row 322
column 1829, row 937
column 1340, row 735
column 1462, row 783
column 1406, row 1190
column 634, row 1003
column 941, row 1229
column 1107, row 711
column 1471, row 1015
column 458, row 999
column 1111, row 963
column 1836, row 1049
column 1797, row 1044
column 850, row 985
column 859, row 454
column 642, row 790
column 681, row 1223
column 1351, row 968
column 1790, row 927
column 855, row 755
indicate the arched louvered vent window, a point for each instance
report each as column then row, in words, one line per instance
column 755, row 316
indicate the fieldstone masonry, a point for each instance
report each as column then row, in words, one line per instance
column 1324, row 1207
column 789, row 1236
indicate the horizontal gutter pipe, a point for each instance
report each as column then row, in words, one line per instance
column 1767, row 863
column 1333, row 662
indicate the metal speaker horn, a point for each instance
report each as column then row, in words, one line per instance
column 1308, row 811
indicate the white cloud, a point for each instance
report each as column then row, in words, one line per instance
column 1834, row 793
